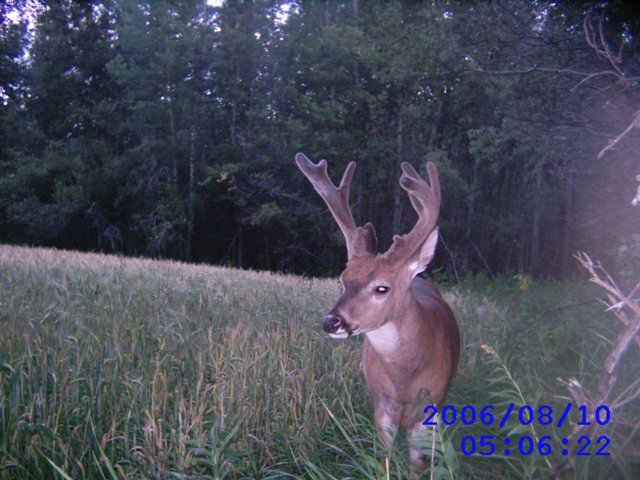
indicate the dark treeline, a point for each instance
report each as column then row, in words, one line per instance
column 169, row 129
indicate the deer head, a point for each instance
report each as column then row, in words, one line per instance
column 373, row 283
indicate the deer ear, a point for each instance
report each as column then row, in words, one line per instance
column 427, row 251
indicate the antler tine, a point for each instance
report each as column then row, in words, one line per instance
column 425, row 199
column 336, row 198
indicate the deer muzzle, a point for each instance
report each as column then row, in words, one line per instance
column 335, row 325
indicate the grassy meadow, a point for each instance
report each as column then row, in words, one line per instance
column 115, row 367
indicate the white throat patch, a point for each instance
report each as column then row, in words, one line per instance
column 384, row 339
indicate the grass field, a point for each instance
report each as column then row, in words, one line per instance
column 115, row 367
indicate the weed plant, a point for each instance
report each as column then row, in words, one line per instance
column 116, row 367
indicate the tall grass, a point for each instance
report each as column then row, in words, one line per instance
column 115, row 367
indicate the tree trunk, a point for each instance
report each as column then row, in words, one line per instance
column 192, row 158
column 567, row 230
column 174, row 143
column 234, row 112
column 534, row 252
column 240, row 249
column 397, row 191
column 433, row 133
column 471, row 203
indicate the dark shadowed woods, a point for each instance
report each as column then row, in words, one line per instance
column 168, row 129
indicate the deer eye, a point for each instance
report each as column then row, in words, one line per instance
column 381, row 290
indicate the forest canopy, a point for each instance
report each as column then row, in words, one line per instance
column 169, row 129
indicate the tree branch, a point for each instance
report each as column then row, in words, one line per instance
column 612, row 143
column 630, row 332
column 636, row 200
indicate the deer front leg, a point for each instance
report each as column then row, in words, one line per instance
column 417, row 436
column 387, row 427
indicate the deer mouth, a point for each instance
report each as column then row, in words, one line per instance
column 339, row 335
column 345, row 333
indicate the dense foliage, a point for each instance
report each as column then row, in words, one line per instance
column 168, row 129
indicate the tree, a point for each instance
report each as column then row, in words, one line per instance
column 169, row 128
column 63, row 109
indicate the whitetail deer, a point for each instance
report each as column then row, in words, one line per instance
column 412, row 344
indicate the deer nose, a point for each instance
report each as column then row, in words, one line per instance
column 332, row 323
